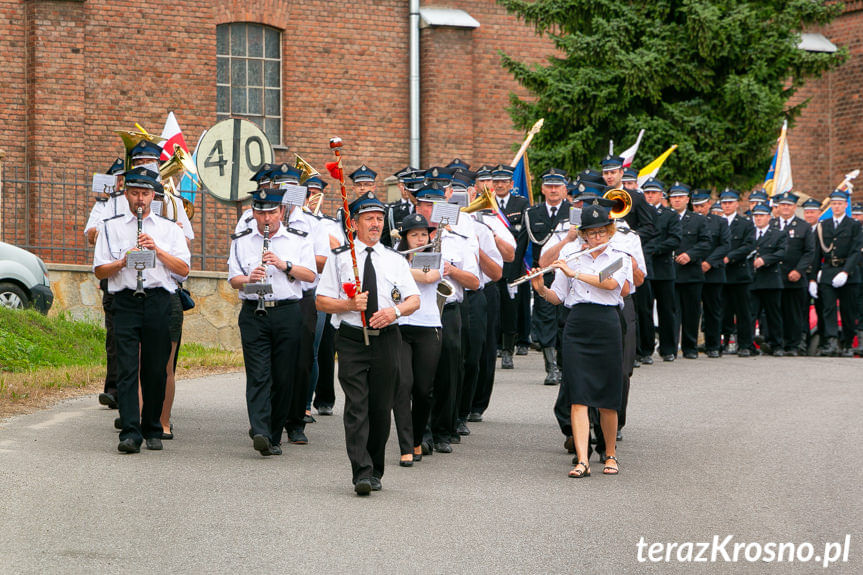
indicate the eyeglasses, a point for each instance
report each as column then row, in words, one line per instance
column 596, row 233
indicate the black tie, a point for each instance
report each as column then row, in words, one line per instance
column 553, row 212
column 502, row 205
column 370, row 284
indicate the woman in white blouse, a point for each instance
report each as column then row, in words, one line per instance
column 592, row 336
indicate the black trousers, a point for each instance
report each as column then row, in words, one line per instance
column 419, row 356
column 302, row 366
column 143, row 343
column 368, row 376
column 474, row 340
column 448, row 375
column 847, row 309
column 488, row 355
column 737, row 307
column 795, row 315
column 711, row 305
column 663, row 292
column 769, row 302
column 324, row 392
column 110, row 346
column 688, row 308
column 545, row 318
column 270, row 351
column 646, row 337
column 523, row 302
column 508, row 317
column 629, row 343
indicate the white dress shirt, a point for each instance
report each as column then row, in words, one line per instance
column 317, row 237
column 572, row 291
column 463, row 254
column 119, row 235
column 246, row 255
column 391, row 270
column 105, row 210
column 428, row 314
column 485, row 237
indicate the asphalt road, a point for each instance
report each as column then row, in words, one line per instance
column 762, row 449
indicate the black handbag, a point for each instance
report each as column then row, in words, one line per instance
column 185, row 298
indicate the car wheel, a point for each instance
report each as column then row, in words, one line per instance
column 12, row 296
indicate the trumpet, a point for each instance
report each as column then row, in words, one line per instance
column 261, row 310
column 545, row 270
column 139, row 288
column 622, row 203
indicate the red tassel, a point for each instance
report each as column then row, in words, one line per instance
column 333, row 169
column 350, row 289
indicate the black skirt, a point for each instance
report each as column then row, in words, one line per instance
column 593, row 356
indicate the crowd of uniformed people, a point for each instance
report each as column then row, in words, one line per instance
column 418, row 306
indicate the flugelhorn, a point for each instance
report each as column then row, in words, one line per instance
column 622, row 203
column 484, row 201
column 305, row 168
column 179, row 162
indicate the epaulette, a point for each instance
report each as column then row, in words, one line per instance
column 341, row 249
column 457, row 234
column 249, row 219
column 392, row 249
column 238, row 235
column 114, row 217
column 167, row 218
column 326, row 217
column 300, row 233
column 625, row 230
column 309, row 212
column 101, row 200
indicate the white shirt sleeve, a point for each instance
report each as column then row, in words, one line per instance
column 95, row 216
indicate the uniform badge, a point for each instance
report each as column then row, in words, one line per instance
column 790, row 233
column 396, row 295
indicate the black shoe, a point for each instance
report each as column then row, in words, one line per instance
column 569, row 444
column 251, row 434
column 647, row 360
column 791, row 353
column 427, row 448
column 376, row 483
column 108, row 400
column 129, row 446
column 169, row 434
column 363, row 487
column 325, row 410
column 297, row 437
column 847, row 352
column 118, row 423
column 499, row 352
column 461, row 428
column 778, row 353
column 307, row 418
column 418, row 456
column 521, row 349
column 636, row 363
column 743, row 352
column 474, row 417
column 619, row 435
column 506, row 360
column 262, row 444
column 455, row 439
column 407, row 463
column 275, row 449
column 443, row 447
column 713, row 353
column 690, row 354
column 154, row 443
column 668, row 357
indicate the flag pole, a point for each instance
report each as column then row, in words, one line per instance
column 779, row 151
column 533, row 131
column 527, row 179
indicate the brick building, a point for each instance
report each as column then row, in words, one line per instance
column 75, row 70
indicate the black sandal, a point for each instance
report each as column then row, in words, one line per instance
column 609, row 470
column 574, row 474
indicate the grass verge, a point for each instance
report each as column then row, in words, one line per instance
column 45, row 360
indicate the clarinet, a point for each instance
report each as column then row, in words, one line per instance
column 139, row 289
column 261, row 310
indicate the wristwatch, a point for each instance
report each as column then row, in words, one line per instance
column 288, row 267
column 398, row 311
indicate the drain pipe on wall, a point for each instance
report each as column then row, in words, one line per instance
column 415, row 83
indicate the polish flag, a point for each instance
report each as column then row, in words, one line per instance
column 173, row 135
column 628, row 155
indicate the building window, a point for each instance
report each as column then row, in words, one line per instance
column 249, row 76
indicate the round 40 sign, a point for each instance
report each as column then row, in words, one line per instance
column 229, row 154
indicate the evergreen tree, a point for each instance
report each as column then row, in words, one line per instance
column 713, row 76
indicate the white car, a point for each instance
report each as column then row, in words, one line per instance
column 23, row 280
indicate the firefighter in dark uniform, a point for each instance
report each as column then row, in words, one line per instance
column 713, row 267
column 689, row 276
column 837, row 257
column 766, row 289
column 540, row 222
column 642, row 215
column 660, row 272
column 799, row 252
column 399, row 209
column 738, row 273
column 512, row 207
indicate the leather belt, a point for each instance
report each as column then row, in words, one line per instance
column 269, row 303
column 354, row 333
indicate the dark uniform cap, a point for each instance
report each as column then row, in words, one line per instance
column 729, row 194
column 315, row 183
column 758, row 196
column 588, row 189
column 629, row 175
column 590, row 175
column 554, row 176
column 141, row 177
column 145, row 149
column 413, row 222
column 857, row 209
column 716, row 207
column 430, row 192
column 368, row 202
column 459, row 164
column 401, row 174
column 118, row 167
column 439, row 174
column 462, row 180
column 652, row 184
column 594, row 216
column 285, row 174
column 611, row 162
column 678, row 189
column 502, row 172
column 263, row 174
column 266, row 199
column 839, row 195
column 761, row 209
column 700, row 197
column 363, row 174
column 786, row 198
column 811, row 204
column 484, row 172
